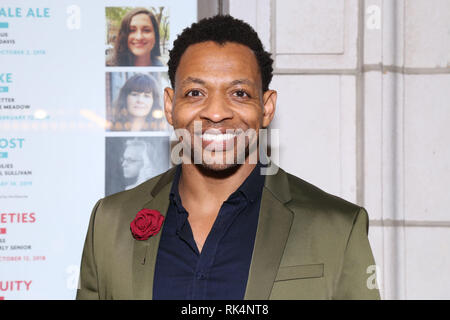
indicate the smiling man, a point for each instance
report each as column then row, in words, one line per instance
column 215, row 227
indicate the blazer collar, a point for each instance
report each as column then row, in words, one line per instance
column 277, row 184
column 165, row 179
column 145, row 252
column 274, row 224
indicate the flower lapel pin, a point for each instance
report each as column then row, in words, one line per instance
column 147, row 223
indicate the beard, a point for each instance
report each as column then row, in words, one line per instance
column 226, row 159
column 214, row 150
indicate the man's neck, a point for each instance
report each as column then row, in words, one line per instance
column 208, row 189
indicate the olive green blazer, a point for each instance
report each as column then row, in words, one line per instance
column 309, row 244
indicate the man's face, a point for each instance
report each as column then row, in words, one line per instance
column 219, row 86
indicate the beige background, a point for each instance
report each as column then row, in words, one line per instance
column 364, row 113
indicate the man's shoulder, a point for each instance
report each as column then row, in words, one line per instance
column 310, row 194
column 312, row 200
column 318, row 213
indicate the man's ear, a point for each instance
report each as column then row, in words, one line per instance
column 168, row 104
column 269, row 104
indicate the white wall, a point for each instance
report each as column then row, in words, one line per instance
column 364, row 113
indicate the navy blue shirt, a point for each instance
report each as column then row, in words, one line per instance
column 220, row 271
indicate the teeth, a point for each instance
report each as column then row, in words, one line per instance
column 218, row 137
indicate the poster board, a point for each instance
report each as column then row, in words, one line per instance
column 65, row 138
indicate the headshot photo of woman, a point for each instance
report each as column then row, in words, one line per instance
column 131, row 161
column 137, row 42
column 138, row 106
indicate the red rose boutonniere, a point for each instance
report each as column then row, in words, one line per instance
column 147, row 223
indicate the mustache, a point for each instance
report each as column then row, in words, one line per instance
column 199, row 127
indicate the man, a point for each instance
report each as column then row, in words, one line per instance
column 221, row 230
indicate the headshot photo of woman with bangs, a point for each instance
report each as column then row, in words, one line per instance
column 138, row 106
column 137, row 42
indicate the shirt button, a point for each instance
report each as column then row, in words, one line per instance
column 200, row 276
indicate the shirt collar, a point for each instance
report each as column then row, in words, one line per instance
column 251, row 188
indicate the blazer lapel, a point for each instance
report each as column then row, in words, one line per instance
column 274, row 224
column 145, row 252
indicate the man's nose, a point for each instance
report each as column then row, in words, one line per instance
column 216, row 109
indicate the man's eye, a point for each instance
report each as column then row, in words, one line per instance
column 241, row 94
column 194, row 93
